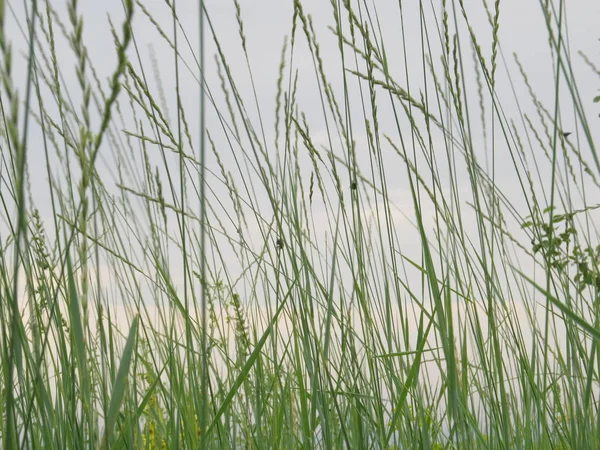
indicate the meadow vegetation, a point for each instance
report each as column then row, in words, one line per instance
column 394, row 247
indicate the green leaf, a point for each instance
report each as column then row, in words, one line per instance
column 118, row 391
column 76, row 330
column 413, row 352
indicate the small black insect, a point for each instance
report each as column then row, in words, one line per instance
column 566, row 134
column 280, row 244
column 353, row 185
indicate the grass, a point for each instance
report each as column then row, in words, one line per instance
column 392, row 246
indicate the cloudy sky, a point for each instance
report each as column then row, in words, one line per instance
column 267, row 23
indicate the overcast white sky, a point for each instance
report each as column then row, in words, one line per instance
column 267, row 22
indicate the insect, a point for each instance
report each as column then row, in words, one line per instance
column 279, row 244
column 566, row 134
column 353, row 185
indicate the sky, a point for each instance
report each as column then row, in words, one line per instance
column 266, row 24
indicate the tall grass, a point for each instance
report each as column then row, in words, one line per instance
column 395, row 246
